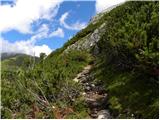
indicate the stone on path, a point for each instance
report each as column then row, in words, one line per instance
column 76, row 80
column 95, row 95
column 104, row 114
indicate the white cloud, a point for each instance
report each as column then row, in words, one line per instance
column 26, row 47
column 104, row 4
column 43, row 28
column 75, row 26
column 44, row 32
column 40, row 49
column 59, row 32
column 21, row 16
column 64, row 17
column 41, row 33
column 17, row 47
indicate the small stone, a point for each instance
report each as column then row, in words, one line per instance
column 76, row 80
column 73, row 100
column 92, row 85
column 83, row 93
column 53, row 107
column 101, row 117
column 87, row 84
column 91, row 44
column 104, row 114
column 87, row 88
column 89, row 100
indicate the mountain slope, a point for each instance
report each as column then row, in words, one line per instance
column 13, row 61
column 125, row 43
column 9, row 55
column 128, row 62
column 122, row 48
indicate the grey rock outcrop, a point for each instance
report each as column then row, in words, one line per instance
column 89, row 41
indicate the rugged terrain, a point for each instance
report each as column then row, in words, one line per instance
column 110, row 69
column 95, row 95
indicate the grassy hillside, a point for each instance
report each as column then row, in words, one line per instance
column 128, row 63
column 127, row 66
column 48, row 84
column 11, row 62
column 10, row 55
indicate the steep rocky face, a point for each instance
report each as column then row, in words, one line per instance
column 89, row 41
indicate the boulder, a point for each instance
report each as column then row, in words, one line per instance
column 104, row 114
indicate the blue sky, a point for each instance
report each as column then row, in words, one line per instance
column 35, row 26
column 80, row 10
column 77, row 12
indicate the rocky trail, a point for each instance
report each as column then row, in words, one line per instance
column 94, row 94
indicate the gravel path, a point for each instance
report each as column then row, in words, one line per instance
column 95, row 95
